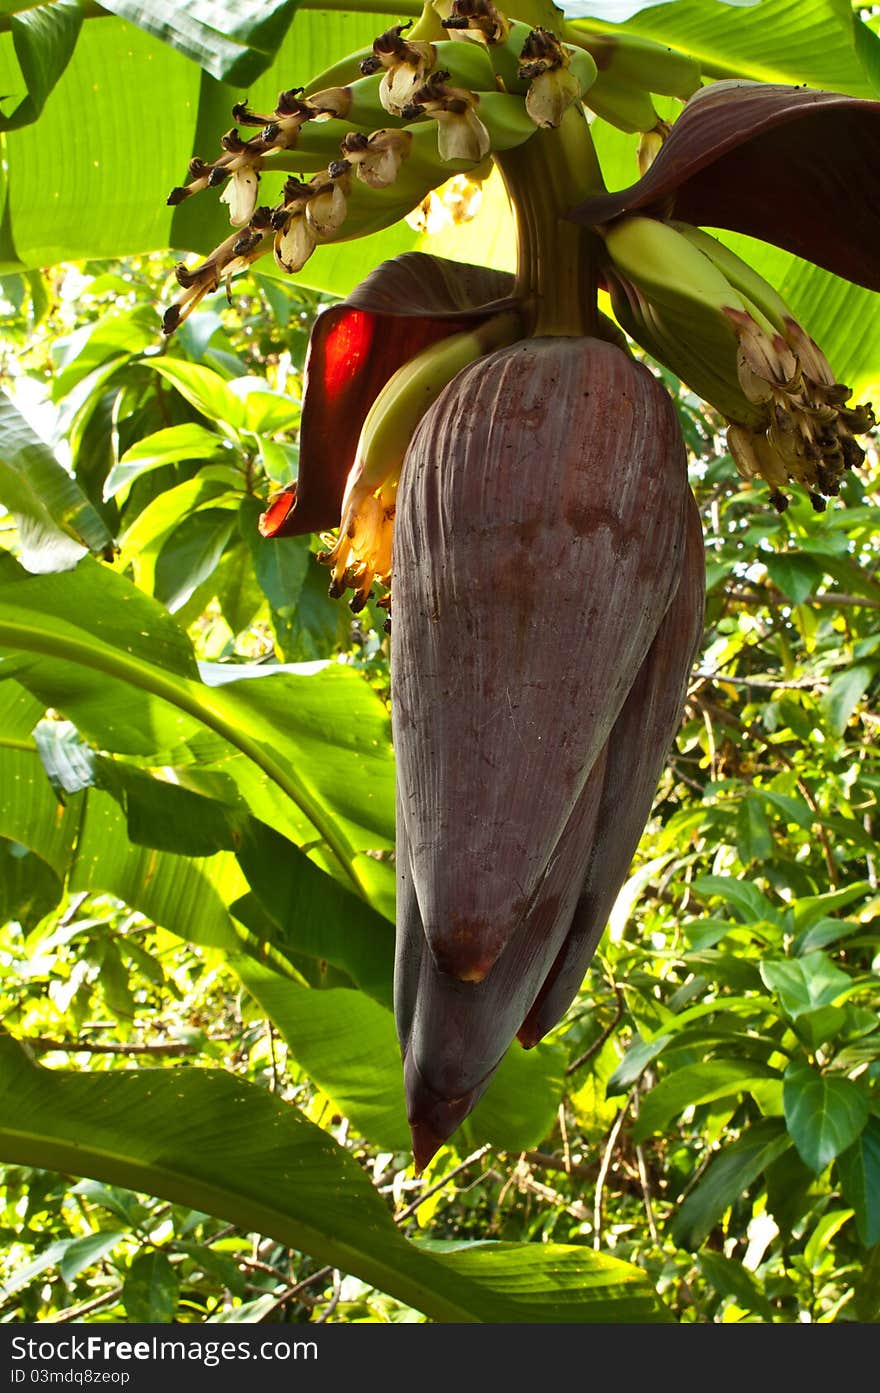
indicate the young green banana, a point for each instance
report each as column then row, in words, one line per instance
column 628, row 108
column 341, row 74
column 359, row 103
column 748, row 357
column 667, row 268
column 738, row 274
column 637, row 62
column 362, row 552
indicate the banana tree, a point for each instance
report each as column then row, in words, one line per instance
column 545, row 470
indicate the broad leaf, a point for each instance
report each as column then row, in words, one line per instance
column 697, row 1083
column 72, row 197
column 189, row 896
column 229, row 41
column 313, row 915
column 802, row 984
column 56, row 522
column 809, row 909
column 322, row 739
column 823, row 1113
column 845, row 693
column 205, row 1139
column 30, row 813
column 150, row 1290
column 730, row 1174
column 794, row 574
column 348, row 1045
column 749, row 904
column 189, row 441
column 730, row 1278
column 44, row 38
column 859, row 1171
column 204, row 389
column 789, row 41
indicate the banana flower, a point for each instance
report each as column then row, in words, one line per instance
column 547, row 572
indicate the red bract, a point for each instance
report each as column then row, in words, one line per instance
column 791, row 166
column 402, row 307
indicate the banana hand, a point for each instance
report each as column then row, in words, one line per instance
column 718, row 325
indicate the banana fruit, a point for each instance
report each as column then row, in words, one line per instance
column 632, row 61
column 626, row 107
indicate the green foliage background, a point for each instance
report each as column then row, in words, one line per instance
column 201, row 1110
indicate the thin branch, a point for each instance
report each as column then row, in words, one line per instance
column 275, row 1080
column 824, row 597
column 600, row 1039
column 603, row 1172
column 40, row 1044
column 563, row 1132
column 644, row 1178
column 290, row 1292
column 84, row 1308
column 334, row 1299
column 541, row 1160
column 767, row 683
column 526, row 1182
column 438, row 1184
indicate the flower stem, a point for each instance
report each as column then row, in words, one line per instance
column 556, row 259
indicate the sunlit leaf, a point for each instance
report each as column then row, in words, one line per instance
column 44, row 38
column 823, row 1113
column 802, row 984
column 56, row 522
column 150, row 1290
column 188, row 441
column 203, row 1137
column 697, row 1083
column 729, row 1175
column 859, row 1170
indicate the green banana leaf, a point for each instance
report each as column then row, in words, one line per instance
column 348, row 1045
column 820, row 42
column 127, row 835
column 55, row 520
column 320, row 740
column 205, row 1139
